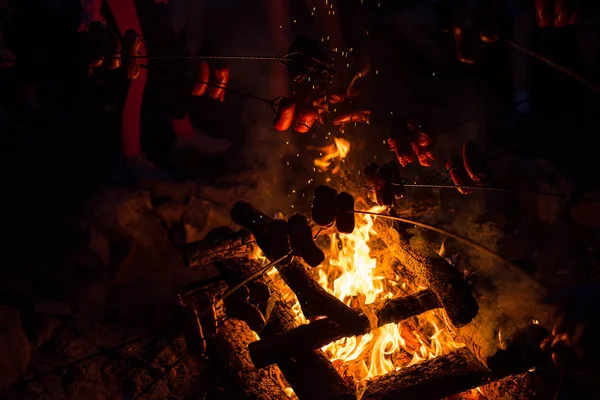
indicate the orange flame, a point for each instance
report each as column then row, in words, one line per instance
column 337, row 150
column 353, row 275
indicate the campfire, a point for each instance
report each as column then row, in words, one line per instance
column 373, row 318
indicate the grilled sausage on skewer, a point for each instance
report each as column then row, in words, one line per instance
column 323, row 210
column 475, row 161
column 221, row 79
column 459, row 175
column 202, row 79
column 344, row 217
column 285, row 114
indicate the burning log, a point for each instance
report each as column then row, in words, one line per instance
column 312, row 366
column 317, row 334
column 203, row 252
column 229, row 351
column 313, row 298
column 433, row 272
column 461, row 370
column 434, row 379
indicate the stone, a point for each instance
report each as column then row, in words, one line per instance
column 587, row 213
column 170, row 212
column 201, row 217
column 42, row 328
column 60, row 308
column 15, row 349
column 93, row 253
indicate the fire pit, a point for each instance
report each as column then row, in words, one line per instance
column 377, row 319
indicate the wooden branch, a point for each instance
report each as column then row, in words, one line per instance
column 229, row 352
column 314, row 299
column 325, row 382
column 461, row 370
column 317, row 334
column 197, row 254
column 433, row 272
column 433, row 379
column 396, row 310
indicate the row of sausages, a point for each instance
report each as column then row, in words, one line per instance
column 215, row 85
column 412, row 145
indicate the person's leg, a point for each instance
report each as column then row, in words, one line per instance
column 279, row 16
column 185, row 22
column 125, row 16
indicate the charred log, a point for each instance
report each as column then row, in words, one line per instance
column 319, row 333
column 396, row 310
column 229, row 352
column 197, row 254
column 314, row 299
column 434, row 379
column 312, row 366
column 433, row 272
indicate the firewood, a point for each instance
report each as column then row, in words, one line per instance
column 433, row 272
column 314, row 299
column 433, row 379
column 197, row 254
column 317, row 334
column 229, row 352
column 325, row 382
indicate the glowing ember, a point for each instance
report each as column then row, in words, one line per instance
column 337, row 150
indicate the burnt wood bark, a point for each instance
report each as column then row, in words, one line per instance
column 314, row 299
column 229, row 352
column 311, row 375
column 433, row 272
column 197, row 254
column 434, row 379
column 319, row 333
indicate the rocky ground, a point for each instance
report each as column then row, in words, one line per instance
column 113, row 295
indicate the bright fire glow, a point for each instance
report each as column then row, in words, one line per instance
column 338, row 149
column 355, row 276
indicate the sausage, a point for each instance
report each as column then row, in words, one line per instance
column 113, row 51
column 401, row 146
column 323, row 210
column 369, row 172
column 383, row 188
column 306, row 120
column 344, row 218
column 301, row 240
column 132, row 43
column 424, row 156
column 458, row 174
column 544, row 12
column 285, row 114
column 96, row 38
column 397, row 186
column 565, row 13
column 221, row 79
column 201, row 79
column 466, row 44
column 475, row 161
